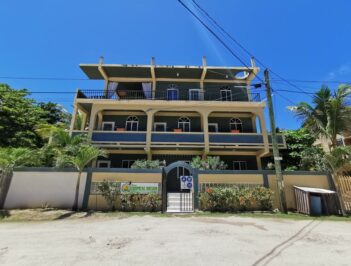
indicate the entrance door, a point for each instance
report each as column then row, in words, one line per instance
column 178, row 197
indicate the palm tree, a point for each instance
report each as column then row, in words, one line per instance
column 83, row 155
column 329, row 115
column 11, row 158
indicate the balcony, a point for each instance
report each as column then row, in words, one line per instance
column 177, row 139
column 112, row 137
column 166, row 96
column 242, row 139
column 182, row 139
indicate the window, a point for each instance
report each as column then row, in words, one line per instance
column 212, row 127
column 194, row 94
column 160, row 126
column 172, row 93
column 236, row 124
column 103, row 164
column 108, row 126
column 184, row 124
column 226, row 94
column 239, row 165
column 132, row 123
column 127, row 163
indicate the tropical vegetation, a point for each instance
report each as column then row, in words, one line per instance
column 208, row 163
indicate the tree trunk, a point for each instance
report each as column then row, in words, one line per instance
column 5, row 180
column 76, row 196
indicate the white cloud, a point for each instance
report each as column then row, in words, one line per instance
column 340, row 72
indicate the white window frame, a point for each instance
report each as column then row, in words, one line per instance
column 213, row 124
column 226, row 95
column 160, row 123
column 183, row 123
column 240, row 162
column 103, row 161
column 132, row 122
column 197, row 90
column 129, row 163
column 173, row 89
column 236, row 123
column 108, row 123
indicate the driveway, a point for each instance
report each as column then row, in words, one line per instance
column 150, row 240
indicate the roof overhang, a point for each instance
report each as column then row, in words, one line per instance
column 162, row 73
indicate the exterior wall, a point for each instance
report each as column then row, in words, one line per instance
column 33, row 189
column 183, row 88
column 172, row 122
column 250, row 160
column 254, row 179
column 304, row 179
column 212, row 91
column 120, row 120
column 223, row 123
column 97, row 202
column 116, row 159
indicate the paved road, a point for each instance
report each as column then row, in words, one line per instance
column 176, row 241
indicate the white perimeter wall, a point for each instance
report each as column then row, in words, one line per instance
column 35, row 189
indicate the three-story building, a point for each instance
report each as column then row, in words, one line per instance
column 173, row 113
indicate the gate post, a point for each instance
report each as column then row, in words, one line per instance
column 164, row 191
column 196, row 188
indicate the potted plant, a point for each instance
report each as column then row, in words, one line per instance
column 235, row 131
column 177, row 130
column 122, row 93
column 120, row 129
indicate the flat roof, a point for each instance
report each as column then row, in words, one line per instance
column 172, row 72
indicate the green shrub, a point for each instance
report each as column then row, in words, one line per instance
column 147, row 164
column 110, row 191
column 236, row 199
column 140, row 202
column 210, row 163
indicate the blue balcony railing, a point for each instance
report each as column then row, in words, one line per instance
column 177, row 137
column 119, row 136
column 243, row 139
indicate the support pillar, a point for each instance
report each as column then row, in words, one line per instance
column 92, row 121
column 264, row 132
column 204, row 122
column 73, row 120
column 149, row 125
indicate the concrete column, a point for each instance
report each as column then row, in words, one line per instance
column 149, row 128
column 204, row 124
column 263, row 131
column 92, row 121
column 84, row 121
column 73, row 120
column 259, row 163
column 99, row 124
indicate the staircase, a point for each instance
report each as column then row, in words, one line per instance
column 180, row 202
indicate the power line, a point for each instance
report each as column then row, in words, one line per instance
column 216, row 36
column 241, row 46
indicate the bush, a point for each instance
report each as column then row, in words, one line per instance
column 147, row 164
column 140, row 202
column 236, row 199
column 210, row 163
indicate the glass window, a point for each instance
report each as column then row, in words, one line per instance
column 132, row 123
column 103, row 164
column 226, row 94
column 184, row 124
column 239, row 165
column 236, row 124
column 127, row 163
column 194, row 94
column 212, row 127
column 108, row 126
column 160, row 126
column 172, row 94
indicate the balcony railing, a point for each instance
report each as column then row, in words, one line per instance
column 183, row 138
column 166, row 96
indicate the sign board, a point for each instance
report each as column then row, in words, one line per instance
column 278, row 158
column 139, row 188
column 186, row 182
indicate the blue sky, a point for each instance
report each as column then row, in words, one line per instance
column 299, row 39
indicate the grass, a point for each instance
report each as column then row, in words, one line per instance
column 37, row 215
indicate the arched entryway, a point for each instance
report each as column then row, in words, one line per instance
column 179, row 185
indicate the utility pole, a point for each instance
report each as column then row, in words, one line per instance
column 277, row 158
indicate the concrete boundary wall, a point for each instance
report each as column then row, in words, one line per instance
column 37, row 188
